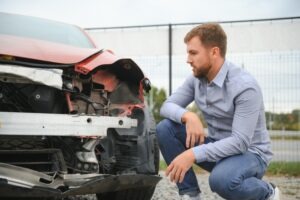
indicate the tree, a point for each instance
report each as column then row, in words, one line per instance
column 286, row 121
column 193, row 108
column 155, row 99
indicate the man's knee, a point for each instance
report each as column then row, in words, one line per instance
column 219, row 180
column 215, row 182
column 224, row 184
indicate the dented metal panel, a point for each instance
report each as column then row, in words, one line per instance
column 19, row 74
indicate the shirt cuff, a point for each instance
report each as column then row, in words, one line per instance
column 200, row 153
column 179, row 113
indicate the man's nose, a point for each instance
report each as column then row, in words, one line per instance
column 188, row 60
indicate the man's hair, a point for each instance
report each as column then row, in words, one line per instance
column 211, row 35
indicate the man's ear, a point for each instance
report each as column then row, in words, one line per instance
column 215, row 51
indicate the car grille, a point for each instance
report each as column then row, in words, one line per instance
column 49, row 161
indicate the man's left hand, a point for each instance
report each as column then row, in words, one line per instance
column 180, row 165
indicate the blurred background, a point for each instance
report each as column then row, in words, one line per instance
column 267, row 48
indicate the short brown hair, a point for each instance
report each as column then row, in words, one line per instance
column 211, row 35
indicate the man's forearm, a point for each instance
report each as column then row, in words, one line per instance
column 213, row 152
column 172, row 111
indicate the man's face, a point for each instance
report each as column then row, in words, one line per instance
column 198, row 57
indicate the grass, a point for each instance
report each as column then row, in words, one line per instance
column 284, row 169
column 162, row 165
column 285, row 137
column 274, row 169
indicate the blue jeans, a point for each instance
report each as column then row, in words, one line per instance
column 235, row 177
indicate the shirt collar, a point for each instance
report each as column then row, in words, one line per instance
column 221, row 76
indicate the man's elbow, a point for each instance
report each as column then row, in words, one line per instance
column 242, row 144
column 243, row 148
column 162, row 110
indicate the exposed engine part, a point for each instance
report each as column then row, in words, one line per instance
column 49, row 77
column 91, row 144
column 88, row 157
column 31, row 98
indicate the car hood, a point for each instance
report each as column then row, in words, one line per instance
column 30, row 52
column 43, row 50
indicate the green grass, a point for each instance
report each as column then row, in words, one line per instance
column 162, row 165
column 274, row 169
column 285, row 137
column 284, row 169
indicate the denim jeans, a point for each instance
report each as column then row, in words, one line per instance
column 235, row 177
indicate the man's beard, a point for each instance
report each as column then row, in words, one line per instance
column 202, row 72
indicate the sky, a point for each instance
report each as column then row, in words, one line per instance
column 116, row 13
column 112, row 13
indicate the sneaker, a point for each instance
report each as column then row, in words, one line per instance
column 276, row 195
column 188, row 197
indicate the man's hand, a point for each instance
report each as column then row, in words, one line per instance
column 194, row 129
column 180, row 165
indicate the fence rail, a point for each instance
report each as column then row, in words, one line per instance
column 267, row 48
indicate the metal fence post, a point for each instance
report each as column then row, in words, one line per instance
column 170, row 59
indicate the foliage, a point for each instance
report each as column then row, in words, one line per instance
column 193, row 108
column 284, row 121
column 284, row 168
column 155, row 99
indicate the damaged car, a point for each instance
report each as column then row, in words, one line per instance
column 73, row 119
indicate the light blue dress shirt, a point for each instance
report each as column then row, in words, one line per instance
column 232, row 105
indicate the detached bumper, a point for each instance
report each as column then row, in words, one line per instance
column 21, row 182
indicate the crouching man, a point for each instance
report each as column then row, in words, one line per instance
column 236, row 151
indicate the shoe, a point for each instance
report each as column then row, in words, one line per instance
column 276, row 195
column 188, row 197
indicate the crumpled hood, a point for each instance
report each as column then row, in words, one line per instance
column 43, row 50
column 84, row 60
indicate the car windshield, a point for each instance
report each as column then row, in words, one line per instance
column 43, row 29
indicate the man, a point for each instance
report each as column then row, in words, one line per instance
column 237, row 149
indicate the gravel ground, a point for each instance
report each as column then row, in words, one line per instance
column 166, row 190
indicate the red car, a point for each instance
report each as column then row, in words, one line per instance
column 73, row 120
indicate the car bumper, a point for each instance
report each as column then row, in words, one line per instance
column 21, row 182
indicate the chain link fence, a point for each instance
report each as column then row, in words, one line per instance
column 268, row 49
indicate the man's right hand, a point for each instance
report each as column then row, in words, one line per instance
column 194, row 129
